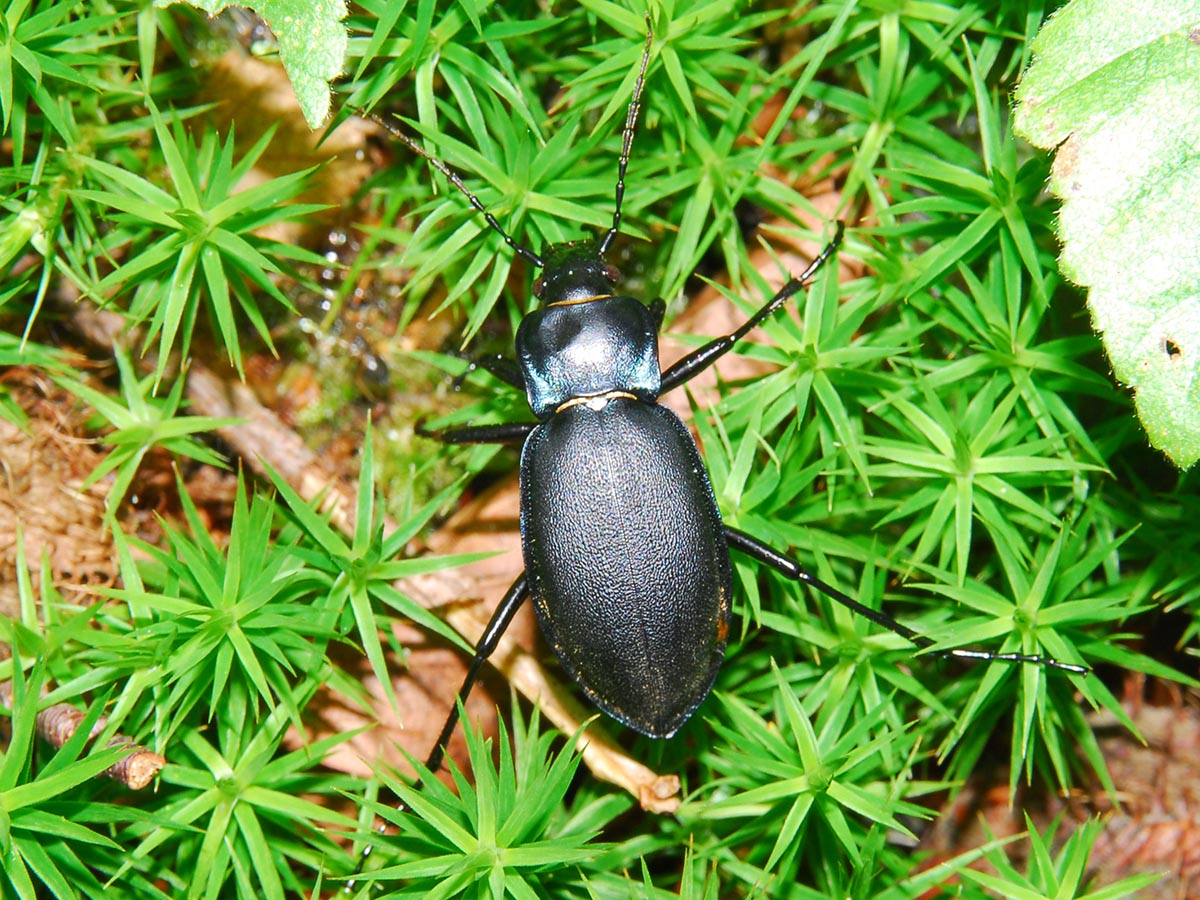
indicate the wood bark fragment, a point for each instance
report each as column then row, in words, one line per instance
column 58, row 723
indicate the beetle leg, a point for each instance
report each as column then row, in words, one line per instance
column 501, row 619
column 703, row 357
column 658, row 309
column 504, row 433
column 789, row 568
column 499, row 366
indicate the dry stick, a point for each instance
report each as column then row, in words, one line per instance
column 58, row 723
column 264, row 438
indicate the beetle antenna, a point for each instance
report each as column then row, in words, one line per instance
column 631, row 117
column 455, row 180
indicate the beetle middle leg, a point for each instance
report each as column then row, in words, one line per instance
column 505, row 433
column 517, row 594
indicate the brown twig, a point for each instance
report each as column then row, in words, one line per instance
column 58, row 723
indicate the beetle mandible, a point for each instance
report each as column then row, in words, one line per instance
column 627, row 559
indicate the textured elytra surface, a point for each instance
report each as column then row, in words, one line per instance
column 627, row 561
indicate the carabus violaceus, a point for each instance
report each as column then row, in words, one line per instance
column 627, row 559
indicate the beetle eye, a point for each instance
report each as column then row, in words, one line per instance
column 612, row 273
column 538, row 287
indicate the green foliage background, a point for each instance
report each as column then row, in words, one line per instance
column 939, row 437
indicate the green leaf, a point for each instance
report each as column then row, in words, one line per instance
column 1116, row 88
column 312, row 44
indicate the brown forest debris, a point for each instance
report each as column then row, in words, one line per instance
column 57, row 724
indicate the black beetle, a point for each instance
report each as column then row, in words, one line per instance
column 626, row 555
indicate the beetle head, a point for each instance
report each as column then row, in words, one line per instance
column 574, row 273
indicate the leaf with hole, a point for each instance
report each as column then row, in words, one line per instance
column 1116, row 89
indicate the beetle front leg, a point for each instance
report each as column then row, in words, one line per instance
column 789, row 568
column 658, row 311
column 501, row 367
column 504, row 433
column 517, row 594
column 700, row 359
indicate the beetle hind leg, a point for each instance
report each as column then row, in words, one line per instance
column 501, row 619
column 789, row 568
